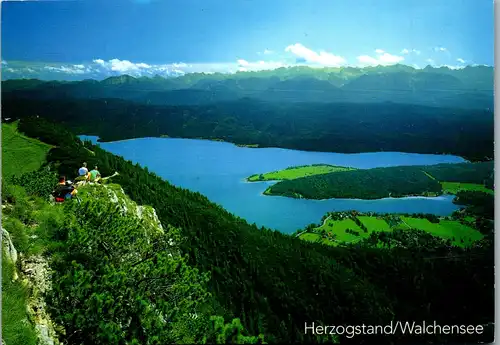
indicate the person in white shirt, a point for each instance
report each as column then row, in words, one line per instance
column 83, row 172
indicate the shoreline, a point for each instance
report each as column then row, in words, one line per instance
column 252, row 146
column 437, row 197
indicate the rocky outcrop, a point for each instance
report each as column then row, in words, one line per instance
column 117, row 195
column 8, row 246
column 10, row 251
column 36, row 273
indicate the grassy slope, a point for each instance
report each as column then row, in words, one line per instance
column 338, row 228
column 455, row 187
column 296, row 172
column 374, row 224
column 20, row 154
column 447, row 229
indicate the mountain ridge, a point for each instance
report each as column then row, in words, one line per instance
column 470, row 87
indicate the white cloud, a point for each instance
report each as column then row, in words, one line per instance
column 246, row 66
column 242, row 62
column 440, row 49
column 122, row 66
column 461, row 60
column 310, row 56
column 180, row 65
column 66, row 69
column 382, row 59
column 409, row 51
column 266, row 52
column 117, row 67
column 453, row 67
column 367, row 60
column 449, row 66
column 143, row 65
column 431, row 62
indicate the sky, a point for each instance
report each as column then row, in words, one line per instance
column 80, row 39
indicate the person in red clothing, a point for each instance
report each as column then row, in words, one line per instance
column 64, row 190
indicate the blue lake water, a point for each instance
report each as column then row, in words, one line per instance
column 218, row 171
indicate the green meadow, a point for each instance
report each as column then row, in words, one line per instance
column 332, row 232
column 20, row 154
column 374, row 223
column 455, row 187
column 297, row 172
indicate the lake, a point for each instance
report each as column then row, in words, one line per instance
column 218, row 171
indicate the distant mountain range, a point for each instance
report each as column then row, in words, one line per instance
column 470, row 87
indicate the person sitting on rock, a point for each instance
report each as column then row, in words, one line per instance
column 95, row 175
column 64, row 190
column 83, row 173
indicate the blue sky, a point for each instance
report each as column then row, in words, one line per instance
column 87, row 38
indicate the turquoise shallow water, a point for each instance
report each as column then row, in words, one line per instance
column 218, row 170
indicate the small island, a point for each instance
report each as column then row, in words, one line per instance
column 295, row 172
column 328, row 182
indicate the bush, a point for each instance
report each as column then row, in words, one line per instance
column 20, row 206
column 39, row 183
column 12, row 193
column 51, row 229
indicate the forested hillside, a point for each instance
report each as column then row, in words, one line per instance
column 275, row 282
column 379, row 183
column 346, row 128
